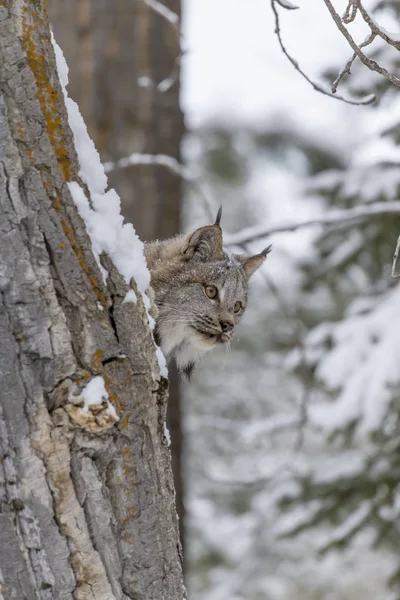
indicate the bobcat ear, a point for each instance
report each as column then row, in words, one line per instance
column 250, row 264
column 218, row 219
column 205, row 244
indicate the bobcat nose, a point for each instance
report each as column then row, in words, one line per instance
column 227, row 325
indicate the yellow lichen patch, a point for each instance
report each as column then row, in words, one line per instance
column 47, row 94
column 127, row 464
column 127, row 470
column 124, row 422
column 20, row 135
column 126, row 538
column 96, row 359
column 118, row 403
column 50, row 102
column 113, row 398
column 131, row 513
column 70, row 234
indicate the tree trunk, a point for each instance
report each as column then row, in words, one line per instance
column 86, row 503
column 118, row 53
column 113, row 49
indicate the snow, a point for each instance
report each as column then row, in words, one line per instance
column 342, row 466
column 297, row 518
column 145, row 82
column 287, row 4
column 351, row 525
column 165, row 12
column 162, row 362
column 252, row 82
column 130, row 297
column 102, row 218
column 247, row 408
column 169, row 162
column 362, row 364
column 102, row 215
column 166, row 84
column 167, row 434
column 235, row 77
column 95, row 393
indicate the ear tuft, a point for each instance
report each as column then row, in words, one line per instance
column 218, row 219
column 205, row 244
column 266, row 251
column 250, row 264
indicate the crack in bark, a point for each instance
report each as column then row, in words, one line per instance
column 112, row 320
column 55, row 339
column 26, row 525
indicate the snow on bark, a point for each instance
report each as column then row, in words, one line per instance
column 102, row 214
column 102, row 217
column 82, row 515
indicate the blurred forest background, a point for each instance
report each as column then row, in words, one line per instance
column 286, row 449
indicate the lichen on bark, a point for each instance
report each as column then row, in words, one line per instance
column 83, row 514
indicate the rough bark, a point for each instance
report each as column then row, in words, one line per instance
column 109, row 47
column 86, row 505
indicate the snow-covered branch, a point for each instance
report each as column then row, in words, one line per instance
column 173, row 19
column 396, row 275
column 340, row 217
column 368, row 62
column 251, row 234
column 168, row 162
column 163, row 11
column 163, row 160
column 389, row 38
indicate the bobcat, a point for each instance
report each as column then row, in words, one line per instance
column 200, row 292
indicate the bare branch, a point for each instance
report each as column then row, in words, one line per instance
column 343, row 217
column 396, row 275
column 340, row 217
column 375, row 28
column 368, row 62
column 351, row 11
column 319, row 88
column 347, row 67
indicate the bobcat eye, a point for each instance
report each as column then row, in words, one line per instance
column 210, row 291
column 238, row 307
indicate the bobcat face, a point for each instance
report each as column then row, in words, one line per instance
column 215, row 304
column 200, row 292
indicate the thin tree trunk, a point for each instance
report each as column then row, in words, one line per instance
column 113, row 48
column 86, row 504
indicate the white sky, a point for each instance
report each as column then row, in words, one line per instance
column 234, row 68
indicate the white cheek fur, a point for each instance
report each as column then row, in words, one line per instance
column 182, row 342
